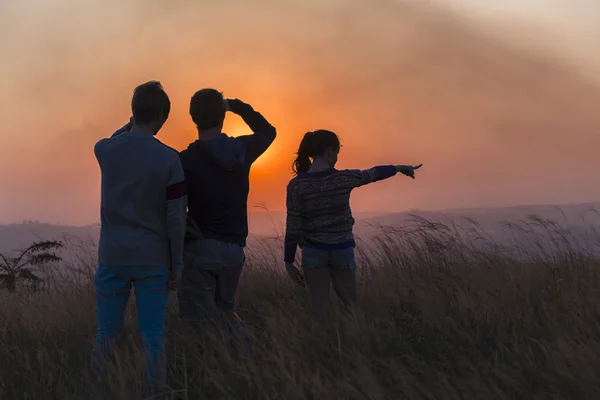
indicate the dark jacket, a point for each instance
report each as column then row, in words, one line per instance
column 217, row 176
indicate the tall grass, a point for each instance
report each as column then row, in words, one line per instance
column 446, row 312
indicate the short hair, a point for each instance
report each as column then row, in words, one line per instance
column 207, row 108
column 150, row 103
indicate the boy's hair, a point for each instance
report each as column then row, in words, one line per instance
column 150, row 103
column 207, row 109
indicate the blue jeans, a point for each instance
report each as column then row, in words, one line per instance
column 113, row 286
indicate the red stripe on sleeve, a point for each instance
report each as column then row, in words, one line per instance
column 176, row 191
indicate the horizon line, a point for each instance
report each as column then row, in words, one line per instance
column 378, row 212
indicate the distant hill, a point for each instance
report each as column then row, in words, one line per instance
column 572, row 216
column 18, row 236
column 568, row 216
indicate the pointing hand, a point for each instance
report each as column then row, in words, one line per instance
column 408, row 170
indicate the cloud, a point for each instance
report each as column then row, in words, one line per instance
column 400, row 81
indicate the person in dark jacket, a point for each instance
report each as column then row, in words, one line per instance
column 217, row 169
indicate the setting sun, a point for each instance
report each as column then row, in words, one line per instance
column 235, row 126
column 475, row 276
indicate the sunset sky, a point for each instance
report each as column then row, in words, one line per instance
column 500, row 102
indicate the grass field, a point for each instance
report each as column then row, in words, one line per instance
column 444, row 314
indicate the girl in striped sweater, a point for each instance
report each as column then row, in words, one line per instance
column 319, row 219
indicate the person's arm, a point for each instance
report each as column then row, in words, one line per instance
column 176, row 204
column 125, row 128
column 98, row 146
column 381, row 172
column 366, row 176
column 98, row 150
column 263, row 132
column 293, row 226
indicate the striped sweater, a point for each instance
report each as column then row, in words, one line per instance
column 318, row 208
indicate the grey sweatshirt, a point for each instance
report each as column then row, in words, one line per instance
column 143, row 202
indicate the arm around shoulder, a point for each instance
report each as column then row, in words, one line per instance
column 100, row 144
column 125, row 128
column 98, row 148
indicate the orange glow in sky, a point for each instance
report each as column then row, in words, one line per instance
column 235, row 126
column 495, row 120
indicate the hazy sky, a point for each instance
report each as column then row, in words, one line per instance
column 500, row 102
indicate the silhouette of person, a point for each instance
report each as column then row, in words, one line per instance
column 319, row 218
column 143, row 204
column 217, row 169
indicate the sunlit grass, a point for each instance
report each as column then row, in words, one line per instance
column 445, row 313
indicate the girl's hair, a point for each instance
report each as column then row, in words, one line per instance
column 313, row 144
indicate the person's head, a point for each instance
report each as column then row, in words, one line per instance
column 150, row 106
column 319, row 145
column 207, row 109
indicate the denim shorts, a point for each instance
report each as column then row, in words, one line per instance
column 334, row 259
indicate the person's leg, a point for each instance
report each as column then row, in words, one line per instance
column 113, row 285
column 344, row 284
column 151, row 296
column 197, row 290
column 233, row 258
column 343, row 276
column 318, row 283
column 315, row 264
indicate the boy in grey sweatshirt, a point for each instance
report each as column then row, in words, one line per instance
column 143, row 205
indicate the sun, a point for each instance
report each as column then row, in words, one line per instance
column 235, row 126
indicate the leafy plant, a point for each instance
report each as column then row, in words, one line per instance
column 14, row 270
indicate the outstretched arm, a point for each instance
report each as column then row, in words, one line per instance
column 364, row 177
column 263, row 132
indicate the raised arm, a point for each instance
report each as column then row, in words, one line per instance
column 100, row 144
column 124, row 128
column 176, row 204
column 293, row 226
column 263, row 132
